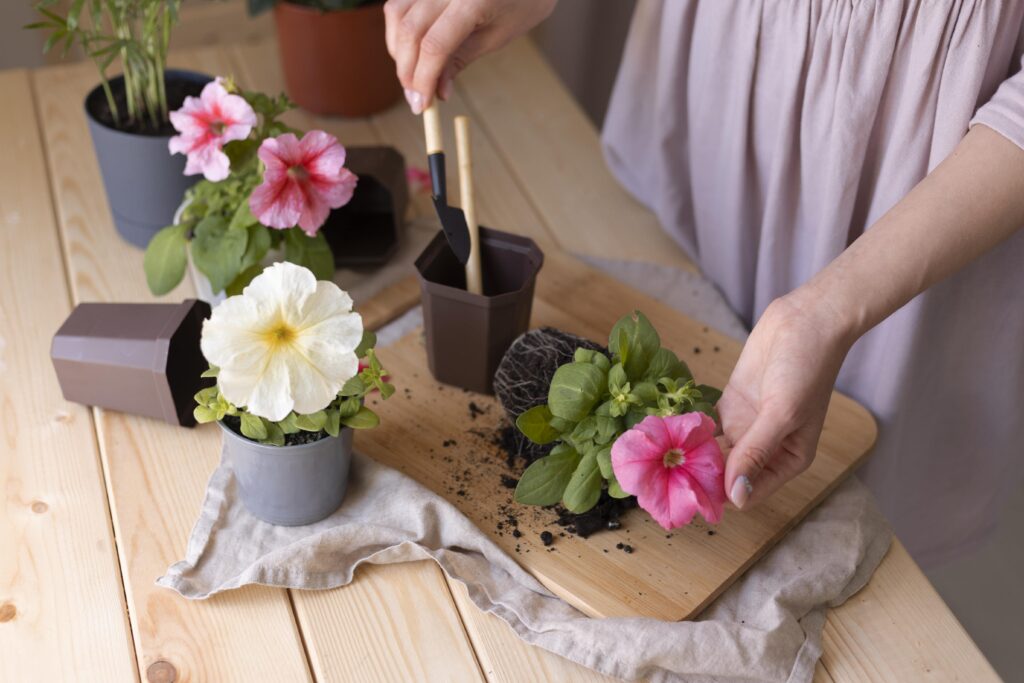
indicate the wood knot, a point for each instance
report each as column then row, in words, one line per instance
column 39, row 507
column 161, row 671
column 7, row 612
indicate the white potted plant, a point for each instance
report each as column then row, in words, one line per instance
column 129, row 114
column 293, row 366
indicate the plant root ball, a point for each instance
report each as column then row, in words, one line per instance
column 522, row 379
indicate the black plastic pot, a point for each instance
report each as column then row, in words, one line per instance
column 366, row 231
column 142, row 359
column 143, row 181
column 467, row 334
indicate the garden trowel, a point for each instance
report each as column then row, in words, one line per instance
column 453, row 220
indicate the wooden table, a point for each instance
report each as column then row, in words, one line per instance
column 97, row 504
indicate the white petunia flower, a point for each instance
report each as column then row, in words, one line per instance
column 287, row 342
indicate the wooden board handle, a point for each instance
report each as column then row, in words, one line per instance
column 432, row 129
column 474, row 279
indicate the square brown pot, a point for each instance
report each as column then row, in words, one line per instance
column 142, row 359
column 366, row 231
column 467, row 334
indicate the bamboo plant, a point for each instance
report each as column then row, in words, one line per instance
column 136, row 33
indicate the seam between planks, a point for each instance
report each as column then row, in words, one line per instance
column 310, row 669
column 71, row 298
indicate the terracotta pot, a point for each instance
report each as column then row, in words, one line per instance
column 467, row 334
column 336, row 62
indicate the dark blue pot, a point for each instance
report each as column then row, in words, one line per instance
column 143, row 181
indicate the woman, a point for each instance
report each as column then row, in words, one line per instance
column 851, row 176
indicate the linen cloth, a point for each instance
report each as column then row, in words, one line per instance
column 768, row 135
column 766, row 627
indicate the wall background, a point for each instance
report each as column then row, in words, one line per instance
column 583, row 40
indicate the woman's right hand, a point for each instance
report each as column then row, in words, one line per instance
column 432, row 40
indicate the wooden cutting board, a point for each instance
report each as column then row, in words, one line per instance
column 444, row 438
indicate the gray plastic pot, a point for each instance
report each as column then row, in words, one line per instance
column 143, row 181
column 290, row 485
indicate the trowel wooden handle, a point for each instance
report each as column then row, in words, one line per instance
column 432, row 129
column 474, row 279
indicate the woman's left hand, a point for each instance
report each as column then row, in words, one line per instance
column 774, row 405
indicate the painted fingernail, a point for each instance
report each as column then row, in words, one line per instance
column 741, row 489
column 415, row 101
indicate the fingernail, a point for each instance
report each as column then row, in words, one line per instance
column 415, row 101
column 741, row 489
column 445, row 91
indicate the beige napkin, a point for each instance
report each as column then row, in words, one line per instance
column 766, row 627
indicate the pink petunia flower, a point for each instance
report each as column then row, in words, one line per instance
column 206, row 124
column 303, row 180
column 674, row 467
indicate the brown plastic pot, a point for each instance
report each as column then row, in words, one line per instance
column 467, row 334
column 366, row 231
column 336, row 62
column 142, row 359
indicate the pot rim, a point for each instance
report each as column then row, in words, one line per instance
column 314, row 12
column 187, row 73
column 276, row 450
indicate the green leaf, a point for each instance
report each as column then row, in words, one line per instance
column 288, row 425
column 583, row 355
column 709, row 394
column 243, row 218
column 312, row 422
column 544, row 482
column 311, row 252
column 617, row 379
column 166, row 258
column 584, row 486
column 364, row 419
column 275, row 436
column 242, row 280
column 562, row 426
column 257, row 247
column 614, row 490
column 607, row 429
column 333, row 425
column 240, row 153
column 368, row 341
column 634, row 416
column 585, row 430
column 575, row 390
column 253, row 427
column 204, row 414
column 535, row 424
column 604, row 462
column 665, row 363
column 353, row 387
column 647, row 392
column 634, row 333
column 349, row 407
column 217, row 252
column 212, row 371
column 707, row 409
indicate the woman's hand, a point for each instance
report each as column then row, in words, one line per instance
column 432, row 40
column 774, row 405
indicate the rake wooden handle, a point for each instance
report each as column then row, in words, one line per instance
column 474, row 279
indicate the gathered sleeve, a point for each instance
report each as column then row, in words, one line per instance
column 1004, row 113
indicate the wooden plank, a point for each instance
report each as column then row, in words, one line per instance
column 898, row 629
column 156, row 472
column 393, row 623
column 55, row 624
column 682, row 572
column 553, row 149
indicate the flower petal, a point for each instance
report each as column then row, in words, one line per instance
column 316, row 376
column 271, row 398
column 277, row 203
column 636, row 461
column 656, row 430
column 281, row 288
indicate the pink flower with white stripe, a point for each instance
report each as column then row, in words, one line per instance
column 206, row 123
column 302, row 181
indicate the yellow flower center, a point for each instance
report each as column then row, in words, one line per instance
column 298, row 172
column 217, row 127
column 674, row 458
column 280, row 334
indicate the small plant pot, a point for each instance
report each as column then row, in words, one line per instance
column 290, row 485
column 336, row 62
column 143, row 181
column 142, row 359
column 366, row 231
column 467, row 334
